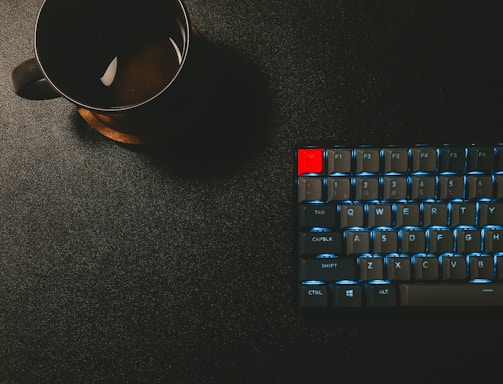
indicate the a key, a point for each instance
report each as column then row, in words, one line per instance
column 317, row 243
column 327, row 268
column 371, row 268
column 347, row 295
column 493, row 240
column 426, row 268
column 384, row 241
column 412, row 241
column 366, row 188
column 394, row 187
column 351, row 215
column 480, row 267
column 339, row 160
column 309, row 160
column 316, row 215
column 451, row 187
column 338, row 188
column 367, row 160
column 357, row 242
column 453, row 267
column 395, row 160
column 480, row 158
column 422, row 187
column 439, row 240
column 379, row 215
column 451, row 159
column 463, row 214
column 407, row 215
column 313, row 295
column 398, row 268
column 451, row 294
column 468, row 240
column 424, row 159
column 310, row 189
column 479, row 186
column 381, row 294
column 435, row 214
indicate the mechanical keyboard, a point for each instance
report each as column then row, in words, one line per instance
column 399, row 226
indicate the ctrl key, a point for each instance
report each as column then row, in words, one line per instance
column 313, row 294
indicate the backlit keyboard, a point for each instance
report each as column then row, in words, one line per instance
column 399, row 226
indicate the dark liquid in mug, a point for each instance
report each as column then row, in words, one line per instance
column 113, row 54
column 140, row 72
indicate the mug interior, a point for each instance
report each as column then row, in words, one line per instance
column 110, row 55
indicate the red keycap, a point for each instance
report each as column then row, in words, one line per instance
column 309, row 160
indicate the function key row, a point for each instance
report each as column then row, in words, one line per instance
column 474, row 158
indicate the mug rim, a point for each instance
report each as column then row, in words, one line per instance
column 187, row 34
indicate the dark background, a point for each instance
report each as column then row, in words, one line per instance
column 177, row 264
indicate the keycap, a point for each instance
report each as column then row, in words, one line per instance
column 426, row 268
column 451, row 159
column 451, row 294
column 357, row 241
column 319, row 215
column 394, row 187
column 398, row 267
column 451, row 187
column 453, row 267
column 309, row 160
column 379, row 215
column 316, row 243
column 366, row 188
column 384, row 241
column 327, row 268
column 480, row 158
column 424, row 159
column 435, row 214
column 490, row 214
column 480, row 267
column 468, row 240
column 412, row 240
column 313, row 295
column 339, row 188
column 493, row 240
column 407, row 214
column 310, row 188
column 381, row 294
column 347, row 295
column 367, row 160
column 395, row 160
column 339, row 160
column 423, row 187
column 463, row 214
column 371, row 268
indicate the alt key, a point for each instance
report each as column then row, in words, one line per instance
column 381, row 294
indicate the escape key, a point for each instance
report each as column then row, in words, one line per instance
column 309, row 160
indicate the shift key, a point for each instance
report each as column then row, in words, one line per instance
column 327, row 268
column 317, row 243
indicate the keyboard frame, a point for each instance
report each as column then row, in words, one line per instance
column 420, row 313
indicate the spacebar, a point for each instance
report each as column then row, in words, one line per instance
column 448, row 294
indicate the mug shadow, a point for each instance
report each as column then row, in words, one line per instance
column 226, row 132
column 229, row 129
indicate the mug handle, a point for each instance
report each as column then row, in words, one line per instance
column 29, row 82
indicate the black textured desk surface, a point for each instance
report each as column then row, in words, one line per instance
column 127, row 265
